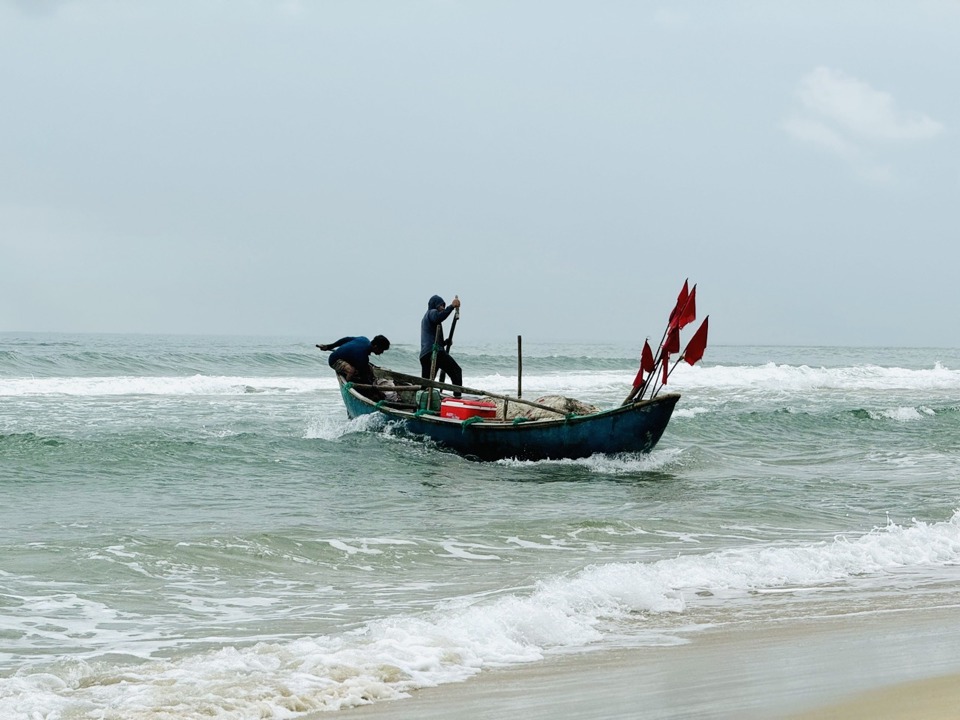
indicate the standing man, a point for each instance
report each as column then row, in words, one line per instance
column 437, row 312
column 351, row 357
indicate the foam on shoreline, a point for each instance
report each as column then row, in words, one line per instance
column 899, row 663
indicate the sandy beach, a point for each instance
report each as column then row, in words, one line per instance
column 901, row 664
column 932, row 699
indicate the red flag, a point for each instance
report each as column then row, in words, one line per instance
column 666, row 362
column 638, row 380
column 672, row 345
column 697, row 344
column 689, row 311
column 681, row 302
column 646, row 358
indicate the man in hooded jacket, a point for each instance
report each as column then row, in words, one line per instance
column 437, row 312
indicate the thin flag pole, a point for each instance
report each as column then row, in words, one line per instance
column 675, row 318
column 695, row 349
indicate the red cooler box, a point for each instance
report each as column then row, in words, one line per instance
column 463, row 408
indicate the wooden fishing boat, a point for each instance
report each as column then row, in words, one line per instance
column 634, row 427
column 486, row 430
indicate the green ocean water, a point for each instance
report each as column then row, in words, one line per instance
column 191, row 527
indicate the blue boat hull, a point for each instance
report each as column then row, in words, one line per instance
column 633, row 428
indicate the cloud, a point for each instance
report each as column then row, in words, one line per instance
column 847, row 117
column 861, row 110
column 819, row 133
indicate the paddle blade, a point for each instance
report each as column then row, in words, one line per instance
column 697, row 344
column 646, row 358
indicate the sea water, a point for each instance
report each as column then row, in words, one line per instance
column 191, row 527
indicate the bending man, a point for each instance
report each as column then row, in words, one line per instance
column 351, row 357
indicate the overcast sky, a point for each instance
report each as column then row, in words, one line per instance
column 321, row 168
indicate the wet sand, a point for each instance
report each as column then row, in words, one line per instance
column 932, row 699
column 902, row 664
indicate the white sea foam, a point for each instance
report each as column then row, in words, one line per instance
column 390, row 657
column 625, row 464
column 607, row 388
column 468, row 551
column 353, row 549
column 901, row 414
column 175, row 386
column 770, row 376
column 689, row 412
column 333, row 427
column 529, row 544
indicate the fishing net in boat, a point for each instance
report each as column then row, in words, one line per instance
column 564, row 406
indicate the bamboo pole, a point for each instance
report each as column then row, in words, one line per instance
column 423, row 382
column 519, row 367
column 437, row 339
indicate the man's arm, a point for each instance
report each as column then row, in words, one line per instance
column 334, row 345
column 454, row 305
column 441, row 315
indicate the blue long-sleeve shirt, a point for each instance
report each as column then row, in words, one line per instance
column 354, row 350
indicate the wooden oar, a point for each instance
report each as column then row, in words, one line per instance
column 449, row 343
column 414, row 380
